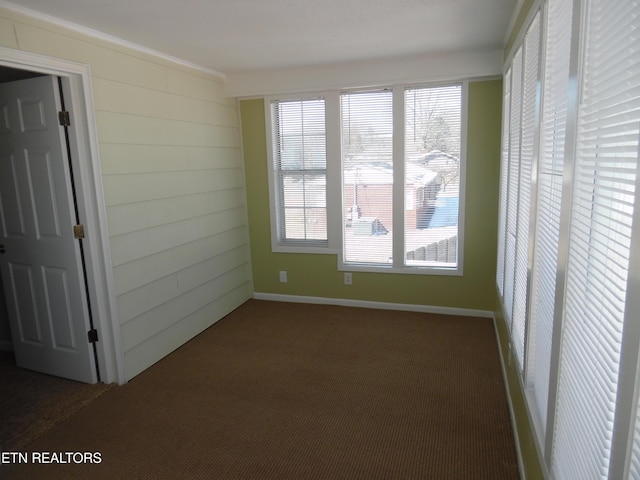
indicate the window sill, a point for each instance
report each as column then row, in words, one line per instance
column 434, row 270
column 303, row 249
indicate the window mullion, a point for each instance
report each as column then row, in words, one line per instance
column 398, row 178
column 334, row 170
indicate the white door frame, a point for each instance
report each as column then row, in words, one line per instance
column 78, row 93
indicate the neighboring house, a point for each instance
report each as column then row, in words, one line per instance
column 427, row 187
column 431, row 205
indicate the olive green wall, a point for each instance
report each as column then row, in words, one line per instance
column 528, row 451
column 316, row 275
column 521, row 18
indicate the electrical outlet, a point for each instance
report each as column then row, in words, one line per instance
column 348, row 279
column 283, row 276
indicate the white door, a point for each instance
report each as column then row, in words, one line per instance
column 40, row 259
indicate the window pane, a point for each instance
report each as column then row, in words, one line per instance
column 432, row 175
column 305, row 224
column 529, row 114
column 513, row 176
column 299, row 145
column 504, row 178
column 549, row 201
column 367, row 141
column 305, row 210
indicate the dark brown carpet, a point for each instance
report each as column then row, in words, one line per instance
column 290, row 391
column 31, row 403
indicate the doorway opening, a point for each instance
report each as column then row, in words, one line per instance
column 75, row 85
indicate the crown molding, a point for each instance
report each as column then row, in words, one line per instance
column 107, row 38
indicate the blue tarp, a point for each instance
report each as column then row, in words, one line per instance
column 446, row 213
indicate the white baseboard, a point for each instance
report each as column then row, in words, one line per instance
column 514, row 423
column 277, row 297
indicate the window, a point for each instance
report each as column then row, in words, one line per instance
column 299, row 172
column 549, row 201
column 528, row 151
column 433, row 135
column 402, row 169
column 374, row 176
column 511, row 187
column 518, row 153
column 504, row 177
column 367, row 175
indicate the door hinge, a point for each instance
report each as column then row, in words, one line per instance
column 93, row 335
column 64, row 118
column 78, row 231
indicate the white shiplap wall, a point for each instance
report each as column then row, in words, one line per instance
column 173, row 180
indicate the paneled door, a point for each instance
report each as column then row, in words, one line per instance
column 40, row 258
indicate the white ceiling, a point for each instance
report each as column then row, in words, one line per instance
column 243, row 35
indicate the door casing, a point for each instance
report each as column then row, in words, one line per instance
column 77, row 90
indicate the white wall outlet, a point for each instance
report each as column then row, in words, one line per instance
column 348, row 278
column 283, row 276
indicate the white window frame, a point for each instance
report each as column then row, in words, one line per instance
column 398, row 264
column 279, row 244
column 335, row 229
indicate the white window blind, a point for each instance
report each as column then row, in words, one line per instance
column 634, row 464
column 527, row 147
column 599, row 240
column 299, row 162
column 549, row 197
column 504, row 178
column 512, row 184
column 433, row 119
column 630, row 29
column 367, row 163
